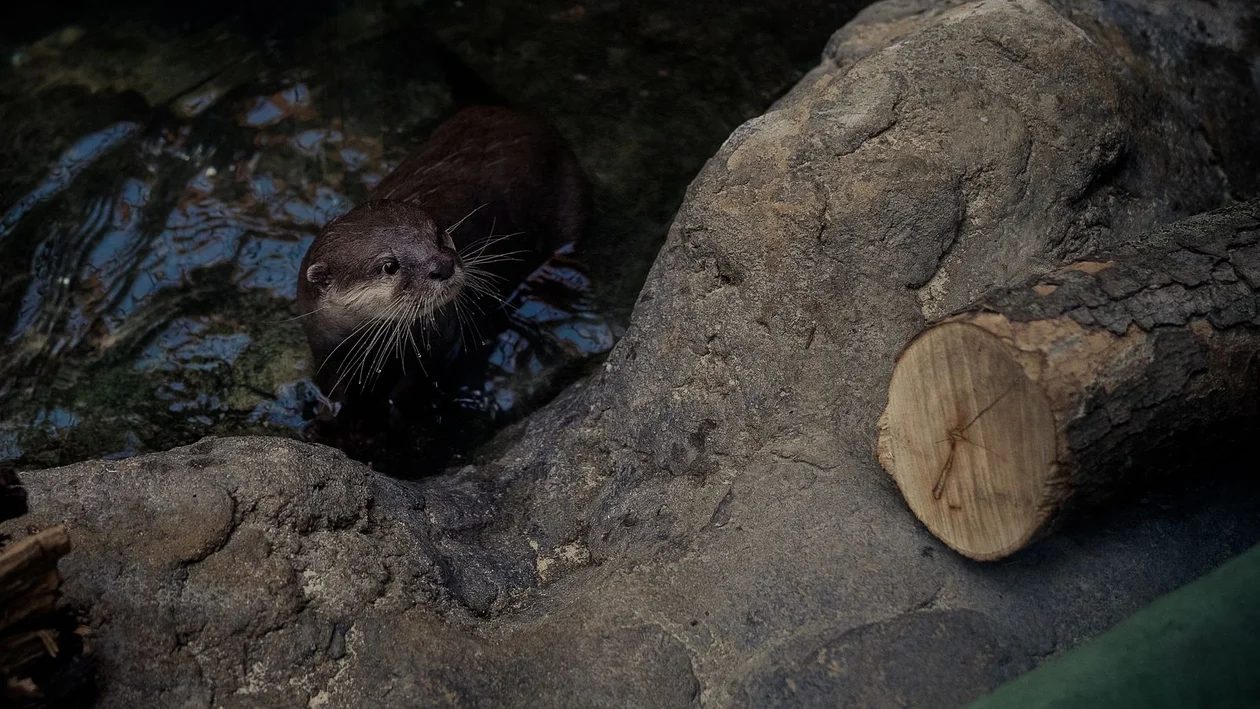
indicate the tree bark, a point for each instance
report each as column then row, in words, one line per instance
column 1047, row 397
column 28, row 576
column 29, row 584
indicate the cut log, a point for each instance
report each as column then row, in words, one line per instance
column 1041, row 399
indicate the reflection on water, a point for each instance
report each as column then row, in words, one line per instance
column 149, row 274
column 553, row 321
column 187, row 344
column 161, row 177
column 69, row 166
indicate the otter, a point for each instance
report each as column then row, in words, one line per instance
column 390, row 292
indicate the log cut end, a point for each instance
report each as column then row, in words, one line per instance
column 970, row 440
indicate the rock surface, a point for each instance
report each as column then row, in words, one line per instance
column 704, row 522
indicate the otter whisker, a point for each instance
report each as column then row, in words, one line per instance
column 371, row 344
column 486, row 258
column 366, row 324
column 493, row 223
column 481, row 275
column 453, row 227
column 385, row 345
column 482, row 290
column 475, row 271
column 491, row 257
column 343, row 369
column 491, row 240
column 475, row 283
column 357, row 357
column 472, row 302
column 460, row 302
column 482, row 297
column 432, row 314
column 476, row 277
column 356, row 372
column 299, row 317
column 416, row 315
column 485, row 261
column 402, row 328
column 459, row 316
column 367, row 345
column 380, row 353
column 428, row 320
column 511, row 306
column 376, row 357
column 468, row 304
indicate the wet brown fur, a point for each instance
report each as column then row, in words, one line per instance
column 486, row 169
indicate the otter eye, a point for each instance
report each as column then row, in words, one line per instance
column 390, row 267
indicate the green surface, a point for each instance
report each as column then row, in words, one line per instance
column 1196, row 647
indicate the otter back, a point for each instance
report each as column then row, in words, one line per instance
column 510, row 161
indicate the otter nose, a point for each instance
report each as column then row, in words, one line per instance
column 441, row 267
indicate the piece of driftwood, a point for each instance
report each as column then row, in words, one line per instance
column 1040, row 399
column 29, row 583
column 29, row 578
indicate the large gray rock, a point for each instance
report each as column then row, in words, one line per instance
column 704, row 521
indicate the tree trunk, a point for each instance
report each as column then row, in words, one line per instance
column 1042, row 398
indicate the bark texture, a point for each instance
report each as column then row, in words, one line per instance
column 1105, row 366
column 30, row 632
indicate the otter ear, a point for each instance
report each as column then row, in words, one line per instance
column 317, row 273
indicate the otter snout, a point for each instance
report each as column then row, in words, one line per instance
column 442, row 266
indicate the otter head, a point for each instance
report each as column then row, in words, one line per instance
column 381, row 262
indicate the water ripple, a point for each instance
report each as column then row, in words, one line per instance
column 72, row 163
column 155, row 304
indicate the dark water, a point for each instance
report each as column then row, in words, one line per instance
column 161, row 174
